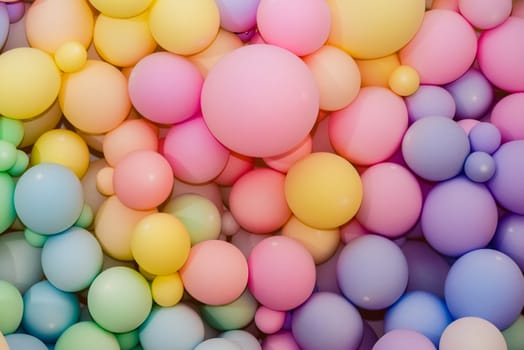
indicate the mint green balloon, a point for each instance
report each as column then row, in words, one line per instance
column 11, row 308
column 119, row 299
column 11, row 130
column 129, row 340
column 35, row 239
column 22, row 161
column 7, row 155
column 235, row 315
column 514, row 334
column 7, row 208
column 86, row 336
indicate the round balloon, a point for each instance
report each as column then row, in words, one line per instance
column 84, row 335
column 472, row 333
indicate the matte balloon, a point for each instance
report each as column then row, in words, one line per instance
column 430, row 100
column 485, row 137
column 376, row 72
column 509, row 237
column 284, row 161
column 217, row 344
column 479, row 167
column 472, row 333
column 513, row 334
column 4, row 23
column 70, row 57
column 244, row 339
column 15, row 10
column 403, row 339
column 281, row 340
column 12, row 307
column 21, row 341
column 167, row 290
column 238, row 15
column 269, row 321
column 506, row 116
column 404, row 80
column 485, row 14
column 235, row 315
column 8, row 213
column 121, row 8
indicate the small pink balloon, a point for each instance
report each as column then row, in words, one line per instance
column 142, row 180
column 508, row 116
column 236, row 166
column 404, row 339
column 281, row 273
column 193, row 152
column 467, row 124
column 351, row 230
column 269, row 321
column 165, row 88
column 284, row 161
column 280, row 341
column 443, row 49
column 485, row 14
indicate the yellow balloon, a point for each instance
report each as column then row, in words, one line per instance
column 404, row 80
column 121, row 8
column 376, row 72
column 160, row 244
column 374, row 28
column 71, row 57
column 184, row 27
column 321, row 244
column 29, row 82
column 52, row 23
column 63, row 147
column 167, row 290
column 323, row 190
column 123, row 41
column 38, row 125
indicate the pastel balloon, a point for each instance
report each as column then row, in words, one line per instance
column 236, row 166
column 92, row 112
column 508, row 237
column 485, row 14
column 485, row 137
column 165, row 88
column 84, row 335
column 70, row 56
column 121, row 8
column 217, row 344
column 284, row 161
column 479, row 166
column 392, row 199
column 472, row 333
column 182, row 27
column 441, row 55
column 278, row 100
column 195, row 155
column 244, row 339
column 430, row 100
column 513, row 334
column 337, row 76
column 11, row 130
column 12, row 308
column 210, row 190
column 49, row 24
column 167, row 290
column 20, row 341
column 238, row 15
column 235, row 315
column 498, row 52
column 215, row 273
column 358, row 28
column 505, row 115
column 8, row 212
column 376, row 71
column 269, row 321
column 403, row 339
column 15, row 10
column 4, row 23
column 376, row 121
column 30, row 82
column 281, row 340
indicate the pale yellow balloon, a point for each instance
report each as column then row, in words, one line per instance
column 121, row 8
column 321, row 244
column 374, row 28
column 224, row 43
column 38, row 125
column 123, row 41
column 167, row 290
column 29, row 82
column 184, row 27
column 95, row 99
column 376, row 72
column 52, row 23
column 71, row 57
column 404, row 80
column 337, row 77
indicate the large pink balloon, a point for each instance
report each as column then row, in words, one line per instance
column 260, row 100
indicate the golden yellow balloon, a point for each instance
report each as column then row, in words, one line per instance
column 123, row 41
column 374, row 28
column 63, row 147
column 121, row 8
column 167, row 290
column 184, row 27
column 71, row 57
column 376, row 72
column 404, row 80
column 29, row 82
column 38, row 125
column 160, row 244
column 323, row 190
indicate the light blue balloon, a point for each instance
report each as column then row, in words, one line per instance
column 48, row 198
column 20, row 341
column 48, row 311
column 479, row 167
column 177, row 327
column 217, row 344
column 428, row 101
column 71, row 260
column 419, row 311
column 245, row 340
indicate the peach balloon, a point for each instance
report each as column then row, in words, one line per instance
column 236, row 166
column 284, row 161
column 376, row 72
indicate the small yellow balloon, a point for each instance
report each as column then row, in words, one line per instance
column 38, row 125
column 160, row 244
column 323, row 190
column 71, row 57
column 121, row 8
column 374, row 28
column 123, row 41
column 184, row 27
column 63, row 147
column 404, row 80
column 29, row 82
column 167, row 290
column 376, row 72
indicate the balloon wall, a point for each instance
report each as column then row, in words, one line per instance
column 261, row 174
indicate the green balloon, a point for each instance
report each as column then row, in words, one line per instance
column 11, row 130
column 7, row 155
column 234, row 315
column 11, row 307
column 129, row 340
column 86, row 336
column 22, row 161
column 35, row 239
column 7, row 208
column 514, row 334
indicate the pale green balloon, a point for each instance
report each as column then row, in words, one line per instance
column 514, row 334
column 129, row 340
column 235, row 315
column 11, row 308
column 11, row 130
column 22, row 161
column 7, row 209
column 35, row 239
column 86, row 336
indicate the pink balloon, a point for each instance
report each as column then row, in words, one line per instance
column 260, row 100
column 193, row 152
column 443, row 49
column 236, row 166
column 142, row 180
column 485, row 14
column 351, row 230
column 284, row 161
column 280, row 341
column 281, row 273
column 165, row 88
column 404, row 339
column 392, row 200
column 508, row 116
column 501, row 53
column 269, row 321
column 370, row 129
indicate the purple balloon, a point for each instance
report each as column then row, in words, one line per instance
column 458, row 216
column 327, row 274
column 280, row 341
column 473, row 94
column 430, row 100
column 479, row 166
column 15, row 10
column 485, row 137
column 238, row 16
column 369, row 338
column 327, row 321
column 509, row 238
column 4, row 23
column 507, row 185
column 404, row 339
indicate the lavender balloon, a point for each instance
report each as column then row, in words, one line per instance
column 473, row 94
column 479, row 166
column 4, row 23
column 430, row 100
column 509, row 238
column 403, row 339
column 237, row 15
column 485, row 137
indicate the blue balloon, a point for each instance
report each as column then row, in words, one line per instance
column 488, row 284
column 217, row 344
column 48, row 311
column 428, row 101
column 485, row 137
column 509, row 237
column 20, row 341
column 48, row 198
column 419, row 311
column 479, row 166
